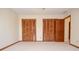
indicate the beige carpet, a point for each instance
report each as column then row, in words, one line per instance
column 41, row 46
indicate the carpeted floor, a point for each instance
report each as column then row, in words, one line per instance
column 41, row 46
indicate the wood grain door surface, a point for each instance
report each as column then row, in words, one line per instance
column 48, row 30
column 28, row 29
column 59, row 31
column 53, row 30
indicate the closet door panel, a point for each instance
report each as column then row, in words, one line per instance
column 45, row 30
column 28, row 29
column 48, row 30
column 51, row 30
column 59, row 30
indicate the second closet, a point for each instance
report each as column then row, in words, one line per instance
column 53, row 30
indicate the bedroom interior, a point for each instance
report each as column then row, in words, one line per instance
column 35, row 29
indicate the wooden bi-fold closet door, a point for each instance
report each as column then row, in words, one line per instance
column 53, row 30
column 28, row 29
column 48, row 30
column 59, row 30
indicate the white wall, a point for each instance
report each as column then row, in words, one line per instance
column 39, row 24
column 74, row 12
column 68, row 12
column 75, row 27
column 8, row 27
column 66, row 34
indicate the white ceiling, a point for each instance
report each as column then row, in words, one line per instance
column 38, row 11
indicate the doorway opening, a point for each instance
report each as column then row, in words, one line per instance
column 67, row 29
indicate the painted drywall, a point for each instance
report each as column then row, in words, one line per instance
column 66, row 27
column 74, row 12
column 39, row 24
column 68, row 12
column 8, row 27
column 75, row 27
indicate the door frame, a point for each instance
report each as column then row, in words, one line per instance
column 69, row 35
column 22, row 29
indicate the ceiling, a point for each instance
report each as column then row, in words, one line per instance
column 38, row 11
